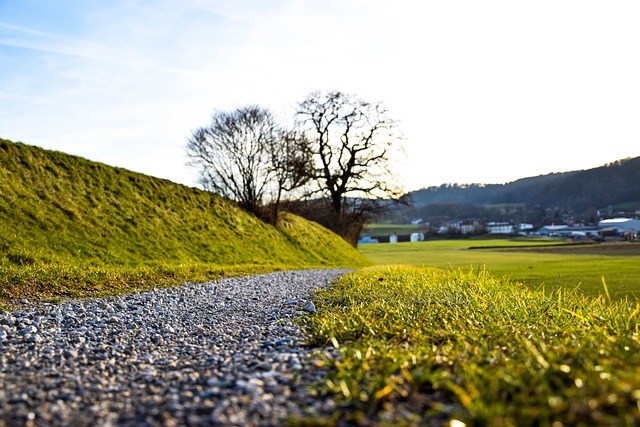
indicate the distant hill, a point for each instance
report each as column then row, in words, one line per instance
column 62, row 210
column 611, row 184
column 583, row 196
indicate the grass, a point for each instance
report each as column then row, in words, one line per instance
column 55, row 282
column 413, row 345
column 70, row 227
column 536, row 263
column 436, row 346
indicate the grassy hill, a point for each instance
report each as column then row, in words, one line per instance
column 72, row 227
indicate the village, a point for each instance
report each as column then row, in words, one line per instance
column 622, row 228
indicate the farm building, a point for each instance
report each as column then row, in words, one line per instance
column 623, row 225
column 551, row 230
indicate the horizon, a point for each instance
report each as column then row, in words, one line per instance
column 485, row 93
column 462, row 184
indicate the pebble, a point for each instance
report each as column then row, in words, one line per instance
column 224, row 353
column 310, row 308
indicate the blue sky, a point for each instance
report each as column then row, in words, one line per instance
column 485, row 92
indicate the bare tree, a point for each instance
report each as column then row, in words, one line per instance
column 232, row 154
column 351, row 143
column 290, row 164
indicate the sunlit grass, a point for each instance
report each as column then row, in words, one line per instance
column 55, row 282
column 420, row 345
column 549, row 270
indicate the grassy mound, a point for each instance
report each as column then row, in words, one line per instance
column 72, row 227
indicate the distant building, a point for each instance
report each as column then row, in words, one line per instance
column 469, row 226
column 443, row 229
column 500, row 228
column 551, row 230
column 417, row 237
column 525, row 227
column 577, row 231
column 623, row 225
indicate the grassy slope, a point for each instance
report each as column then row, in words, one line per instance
column 64, row 217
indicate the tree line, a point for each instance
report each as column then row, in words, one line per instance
column 599, row 187
column 334, row 165
column 583, row 196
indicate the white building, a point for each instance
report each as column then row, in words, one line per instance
column 500, row 228
column 525, row 227
column 417, row 237
column 468, row 227
column 624, row 225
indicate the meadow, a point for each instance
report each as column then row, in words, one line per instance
column 548, row 263
column 500, row 332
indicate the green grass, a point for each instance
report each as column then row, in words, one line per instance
column 55, row 282
column 72, row 227
column 428, row 346
column 561, row 266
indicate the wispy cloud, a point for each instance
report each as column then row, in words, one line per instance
column 466, row 79
column 130, row 56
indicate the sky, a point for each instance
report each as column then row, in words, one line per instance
column 483, row 91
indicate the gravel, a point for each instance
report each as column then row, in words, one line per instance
column 219, row 353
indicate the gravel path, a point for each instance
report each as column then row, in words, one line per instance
column 219, row 353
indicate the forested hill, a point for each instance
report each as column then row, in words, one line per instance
column 611, row 184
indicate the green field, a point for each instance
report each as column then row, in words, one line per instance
column 536, row 263
column 493, row 332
